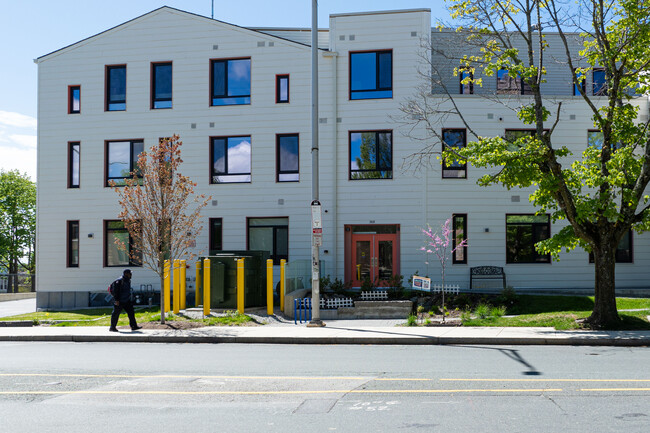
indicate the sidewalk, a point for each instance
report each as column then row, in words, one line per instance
column 336, row 332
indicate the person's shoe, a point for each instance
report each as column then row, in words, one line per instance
column 136, row 327
column 112, row 329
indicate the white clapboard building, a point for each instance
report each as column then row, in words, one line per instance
column 240, row 100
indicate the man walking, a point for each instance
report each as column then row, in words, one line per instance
column 122, row 301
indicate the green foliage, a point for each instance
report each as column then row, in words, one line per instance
column 482, row 310
column 465, row 316
column 499, row 311
column 412, row 320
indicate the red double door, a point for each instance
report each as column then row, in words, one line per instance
column 372, row 254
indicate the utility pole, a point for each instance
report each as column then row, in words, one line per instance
column 317, row 230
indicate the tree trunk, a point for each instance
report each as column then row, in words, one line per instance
column 162, row 298
column 605, row 313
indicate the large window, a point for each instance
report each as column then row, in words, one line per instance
column 466, row 78
column 216, row 234
column 230, row 82
column 116, row 234
column 599, row 82
column 74, row 148
column 456, row 139
column 281, row 89
column 74, row 99
column 371, row 155
column 161, row 85
column 287, row 160
column 122, row 159
column 116, row 88
column 72, row 231
column 269, row 234
column 509, row 84
column 522, row 233
column 624, row 250
column 371, row 75
column 230, row 159
column 459, row 233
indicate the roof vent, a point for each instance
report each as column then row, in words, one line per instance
column 271, row 44
column 342, row 38
column 215, row 47
column 351, row 37
column 414, row 34
column 193, row 126
column 261, row 44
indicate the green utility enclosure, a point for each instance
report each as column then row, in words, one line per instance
column 223, row 279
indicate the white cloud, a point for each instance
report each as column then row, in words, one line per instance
column 21, row 159
column 24, row 140
column 18, row 120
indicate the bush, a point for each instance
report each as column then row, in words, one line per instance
column 497, row 312
column 508, row 296
column 482, row 310
column 465, row 316
column 412, row 320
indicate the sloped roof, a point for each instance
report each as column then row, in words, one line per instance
column 157, row 11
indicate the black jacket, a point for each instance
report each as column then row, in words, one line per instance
column 122, row 290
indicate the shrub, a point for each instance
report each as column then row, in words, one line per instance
column 482, row 310
column 465, row 316
column 497, row 312
column 412, row 320
column 508, row 296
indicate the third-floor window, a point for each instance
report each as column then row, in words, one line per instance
column 230, row 82
column 161, row 85
column 371, row 75
column 116, row 88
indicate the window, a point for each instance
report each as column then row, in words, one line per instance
column 466, row 87
column 509, row 85
column 230, row 159
column 161, row 85
column 459, row 232
column 287, row 160
column 269, row 234
column 281, row 89
column 522, row 233
column 216, row 235
column 73, row 164
column 583, row 83
column 116, row 88
column 72, row 249
column 624, row 250
column 371, row 75
column 599, row 82
column 230, row 82
column 512, row 135
column 74, row 99
column 455, row 138
column 371, row 155
column 122, row 159
column 114, row 231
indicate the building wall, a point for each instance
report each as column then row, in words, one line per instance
column 411, row 199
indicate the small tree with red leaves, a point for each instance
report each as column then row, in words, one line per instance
column 159, row 209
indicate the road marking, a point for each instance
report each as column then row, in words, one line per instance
column 332, row 391
column 614, row 389
column 545, row 380
column 403, row 379
column 174, row 376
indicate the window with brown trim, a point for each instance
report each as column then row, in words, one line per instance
column 72, row 244
column 287, row 158
column 523, row 231
column 454, row 168
column 371, row 75
column 269, row 234
column 282, row 89
column 74, row 164
column 161, row 85
column 216, row 235
column 230, row 159
column 122, row 160
column 115, row 234
column 115, row 88
column 230, row 81
column 459, row 234
column 466, row 78
column 74, row 99
column 371, row 155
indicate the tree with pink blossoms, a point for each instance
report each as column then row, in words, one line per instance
column 441, row 246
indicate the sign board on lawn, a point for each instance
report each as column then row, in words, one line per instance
column 421, row 283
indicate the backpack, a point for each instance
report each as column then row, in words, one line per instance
column 112, row 288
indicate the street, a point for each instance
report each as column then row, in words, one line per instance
column 104, row 387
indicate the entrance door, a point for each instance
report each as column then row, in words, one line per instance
column 373, row 254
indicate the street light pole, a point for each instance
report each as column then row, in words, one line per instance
column 316, row 237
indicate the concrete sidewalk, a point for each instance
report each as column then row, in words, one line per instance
column 336, row 332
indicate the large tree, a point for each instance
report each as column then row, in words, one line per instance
column 17, row 225
column 600, row 194
column 160, row 210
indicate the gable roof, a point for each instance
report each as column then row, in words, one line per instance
column 157, row 11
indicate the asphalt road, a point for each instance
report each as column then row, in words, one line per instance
column 108, row 387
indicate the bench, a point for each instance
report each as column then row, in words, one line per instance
column 486, row 273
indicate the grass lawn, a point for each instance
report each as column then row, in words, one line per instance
column 102, row 317
column 561, row 312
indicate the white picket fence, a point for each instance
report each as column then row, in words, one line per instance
column 330, row 304
column 449, row 288
column 379, row 295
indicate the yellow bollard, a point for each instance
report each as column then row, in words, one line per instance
column 283, row 263
column 177, row 286
column 206, row 287
column 269, row 287
column 183, row 284
column 167, row 283
column 240, row 285
column 197, row 284
column 358, row 272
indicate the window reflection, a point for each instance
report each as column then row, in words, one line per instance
column 231, row 82
column 231, row 159
column 371, row 155
column 371, row 75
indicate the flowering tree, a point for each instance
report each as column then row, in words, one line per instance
column 442, row 248
column 155, row 205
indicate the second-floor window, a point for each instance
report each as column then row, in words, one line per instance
column 161, row 85
column 281, row 89
column 122, row 159
column 583, row 83
column 287, row 160
column 216, row 235
column 599, row 82
column 119, row 246
column 115, row 88
column 371, row 75
column 230, row 159
column 230, row 82
column 459, row 233
column 371, row 155
column 454, row 168
column 74, row 149
column 74, row 99
column 465, row 77
column 522, row 233
column 72, row 244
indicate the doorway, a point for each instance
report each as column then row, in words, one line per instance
column 372, row 252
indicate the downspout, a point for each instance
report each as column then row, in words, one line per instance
column 335, row 196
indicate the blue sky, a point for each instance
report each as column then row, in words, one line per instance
column 32, row 28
